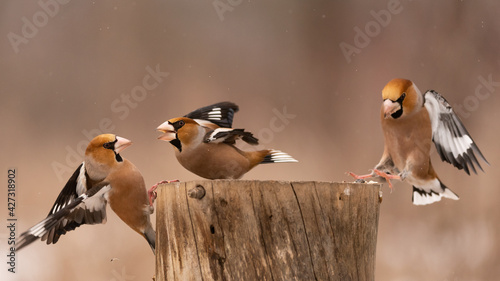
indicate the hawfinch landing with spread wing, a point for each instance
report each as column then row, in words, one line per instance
column 410, row 122
column 204, row 143
column 103, row 177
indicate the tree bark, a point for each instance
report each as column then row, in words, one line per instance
column 266, row 230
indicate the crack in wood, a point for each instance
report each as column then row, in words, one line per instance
column 216, row 212
column 268, row 230
column 305, row 231
column 261, row 232
column 194, row 232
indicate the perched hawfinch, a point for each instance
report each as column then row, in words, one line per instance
column 103, row 177
column 204, row 143
column 410, row 121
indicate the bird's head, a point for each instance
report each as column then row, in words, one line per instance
column 105, row 150
column 178, row 131
column 400, row 97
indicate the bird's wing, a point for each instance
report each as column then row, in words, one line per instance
column 453, row 143
column 221, row 114
column 70, row 210
column 75, row 187
column 229, row 136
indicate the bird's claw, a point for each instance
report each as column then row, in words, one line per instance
column 152, row 191
column 359, row 177
column 387, row 177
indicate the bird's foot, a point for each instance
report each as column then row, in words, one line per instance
column 387, row 177
column 360, row 177
column 152, row 191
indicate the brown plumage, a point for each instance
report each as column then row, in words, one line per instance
column 103, row 177
column 204, row 143
column 410, row 123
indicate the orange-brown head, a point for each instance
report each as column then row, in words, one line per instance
column 179, row 131
column 401, row 97
column 103, row 152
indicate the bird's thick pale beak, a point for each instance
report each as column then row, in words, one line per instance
column 121, row 144
column 168, row 131
column 390, row 107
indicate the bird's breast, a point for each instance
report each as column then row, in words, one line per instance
column 408, row 140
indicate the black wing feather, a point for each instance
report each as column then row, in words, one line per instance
column 230, row 136
column 68, row 193
column 221, row 114
column 453, row 142
column 69, row 212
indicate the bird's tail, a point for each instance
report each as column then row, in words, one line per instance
column 276, row 156
column 432, row 192
column 150, row 236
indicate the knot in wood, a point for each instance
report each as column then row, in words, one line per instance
column 197, row 192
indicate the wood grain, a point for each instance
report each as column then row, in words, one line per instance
column 266, row 230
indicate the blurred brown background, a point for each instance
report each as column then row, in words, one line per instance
column 68, row 67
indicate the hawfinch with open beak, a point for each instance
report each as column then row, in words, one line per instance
column 103, row 177
column 203, row 141
column 411, row 122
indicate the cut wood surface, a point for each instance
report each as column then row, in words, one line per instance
column 266, row 230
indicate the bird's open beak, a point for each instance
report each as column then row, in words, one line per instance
column 390, row 107
column 168, row 131
column 121, row 144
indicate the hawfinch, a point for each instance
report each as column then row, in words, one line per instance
column 410, row 122
column 203, row 141
column 103, row 177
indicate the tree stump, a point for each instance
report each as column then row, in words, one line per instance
column 266, row 230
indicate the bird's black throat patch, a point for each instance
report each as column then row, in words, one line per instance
column 118, row 157
column 400, row 100
column 177, row 143
column 397, row 114
column 111, row 146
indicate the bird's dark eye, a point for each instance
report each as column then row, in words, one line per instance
column 109, row 145
column 177, row 125
column 401, row 98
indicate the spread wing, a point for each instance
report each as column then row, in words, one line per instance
column 453, row 142
column 229, row 136
column 76, row 205
column 221, row 114
column 75, row 186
